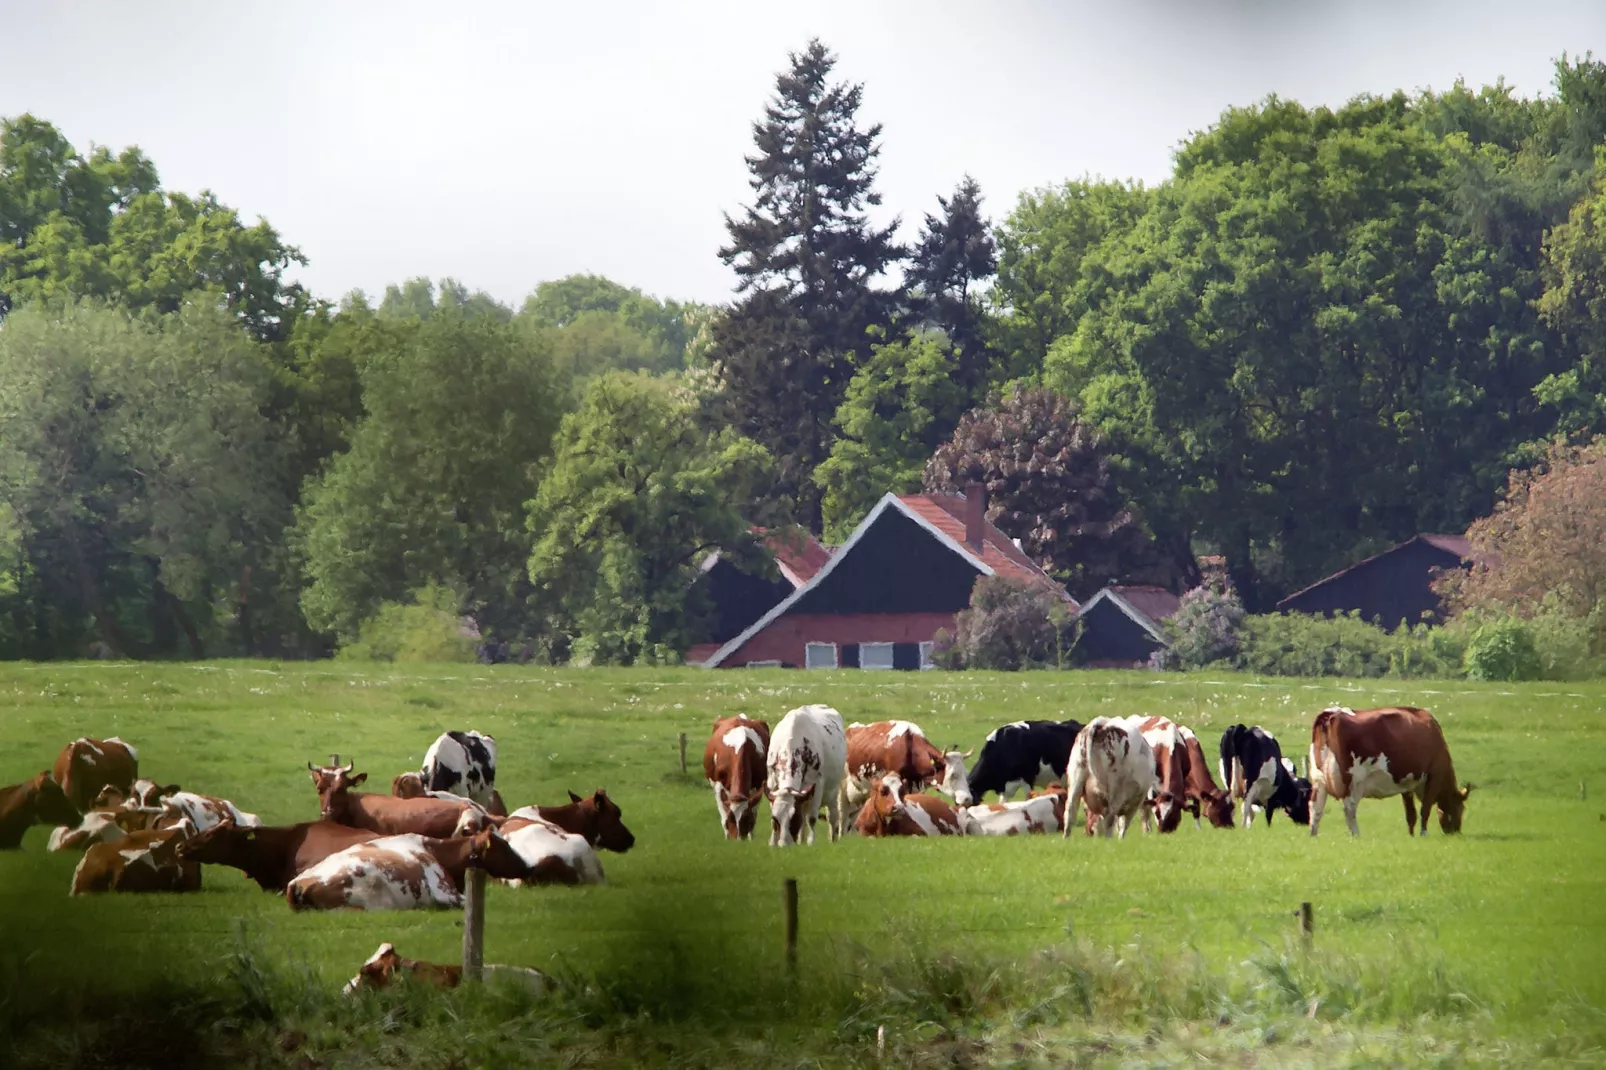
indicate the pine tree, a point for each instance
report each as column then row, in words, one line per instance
column 954, row 256
column 807, row 259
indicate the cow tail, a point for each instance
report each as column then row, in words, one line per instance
column 1319, row 731
column 1076, row 782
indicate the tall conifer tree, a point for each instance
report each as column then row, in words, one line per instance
column 953, row 258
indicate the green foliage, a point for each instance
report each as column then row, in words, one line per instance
column 459, row 409
column 1302, row 644
column 1011, row 624
column 637, row 494
column 419, row 298
column 949, row 266
column 1502, row 648
column 428, row 627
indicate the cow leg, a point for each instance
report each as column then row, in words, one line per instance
column 1410, row 814
column 724, row 811
column 1352, row 804
column 1318, row 802
column 1267, row 812
column 1427, row 808
column 834, row 811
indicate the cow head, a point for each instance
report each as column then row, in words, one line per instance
column 332, row 782
column 1218, row 808
column 471, row 821
column 886, row 793
column 1299, row 809
column 1168, row 810
column 604, row 823
column 1453, row 808
column 954, row 782
column 144, row 794
column 50, row 804
column 223, row 844
column 490, row 852
column 786, row 813
column 408, row 786
column 375, row 973
column 741, row 812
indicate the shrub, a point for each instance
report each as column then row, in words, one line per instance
column 1011, row 624
column 1203, row 630
column 429, row 627
column 1302, row 644
column 1502, row 648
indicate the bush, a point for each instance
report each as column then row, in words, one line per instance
column 427, row 628
column 1203, row 630
column 1011, row 624
column 1502, row 648
column 1302, row 644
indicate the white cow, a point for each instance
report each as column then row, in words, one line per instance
column 206, row 811
column 807, row 764
column 1040, row 813
column 1112, row 768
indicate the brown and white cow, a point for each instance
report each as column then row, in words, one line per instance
column 1372, row 754
column 888, row 811
column 1201, row 786
column 1112, row 770
column 389, row 873
column 206, row 811
column 901, row 747
column 143, row 795
column 37, row 801
column 385, row 965
column 806, row 767
column 387, row 814
column 551, row 855
column 85, row 766
column 597, row 819
column 733, row 762
column 1170, row 769
column 272, row 855
column 411, row 786
column 145, row 861
column 1042, row 811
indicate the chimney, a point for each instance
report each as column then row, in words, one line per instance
column 975, row 516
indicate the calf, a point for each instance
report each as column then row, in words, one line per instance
column 1022, row 755
column 146, row 861
column 389, row 873
column 272, row 856
column 1112, row 769
column 806, row 764
column 889, row 812
column 1201, row 789
column 85, row 766
column 1252, row 763
column 1042, row 812
column 385, row 964
column 38, row 801
column 206, row 811
column 1170, row 767
column 464, row 763
column 551, row 855
column 387, row 814
column 733, row 762
column 901, row 747
column 1372, row 754
column 597, row 819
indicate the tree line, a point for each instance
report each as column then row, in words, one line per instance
column 1328, row 330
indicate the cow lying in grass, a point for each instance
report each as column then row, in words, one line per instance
column 403, row 872
column 145, row 861
column 38, row 801
column 385, row 966
column 1043, row 811
column 272, row 855
column 889, row 812
column 386, row 814
column 85, row 766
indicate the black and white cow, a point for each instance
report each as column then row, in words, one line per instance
column 464, row 763
column 1022, row 756
column 1255, row 771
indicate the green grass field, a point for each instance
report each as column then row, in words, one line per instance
column 1482, row 947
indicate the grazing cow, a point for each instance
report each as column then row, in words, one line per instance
column 1021, row 755
column 1112, row 769
column 733, row 762
column 806, row 765
column 1043, row 811
column 1372, row 754
column 38, row 801
column 385, row 964
column 887, row 811
column 206, row 811
column 597, row 819
column 146, row 861
column 464, row 763
column 389, row 873
column 901, row 747
column 1170, row 766
column 272, row 855
column 1252, row 764
column 551, row 855
column 385, row 813
column 1201, row 789
column 85, row 766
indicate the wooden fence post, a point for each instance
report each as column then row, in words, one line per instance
column 1307, row 924
column 789, row 902
column 474, row 924
column 683, row 753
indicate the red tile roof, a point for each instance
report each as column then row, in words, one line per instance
column 946, row 513
column 796, row 551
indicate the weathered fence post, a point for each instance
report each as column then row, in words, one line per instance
column 683, row 753
column 789, row 901
column 1307, row 924
column 474, row 925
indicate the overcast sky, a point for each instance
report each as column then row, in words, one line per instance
column 507, row 143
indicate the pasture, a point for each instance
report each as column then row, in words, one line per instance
column 1482, row 947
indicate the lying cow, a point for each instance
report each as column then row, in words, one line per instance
column 733, row 762
column 901, row 747
column 403, row 872
column 550, row 854
column 106, row 826
column 1253, row 764
column 464, row 763
column 38, row 801
column 889, row 812
column 206, row 811
column 272, row 855
column 143, row 794
column 85, row 766
column 1112, row 770
column 1041, row 812
column 387, row 814
column 145, row 861
column 598, row 820
column 806, row 765
column 1372, row 754
column 385, row 965
column 1017, row 757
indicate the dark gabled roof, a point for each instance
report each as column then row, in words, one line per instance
column 1456, row 545
column 1146, row 605
column 936, row 516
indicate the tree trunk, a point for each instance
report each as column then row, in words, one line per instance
column 247, row 638
column 106, row 625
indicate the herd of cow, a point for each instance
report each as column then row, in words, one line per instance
column 1118, row 767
